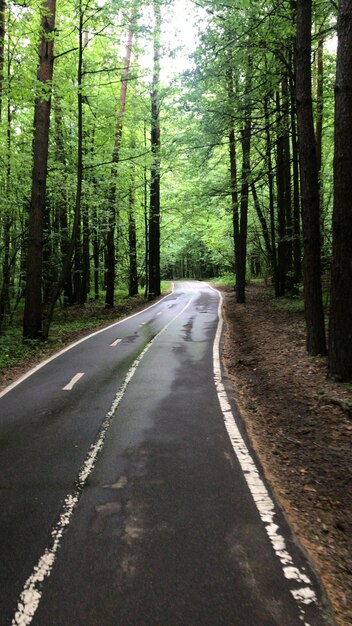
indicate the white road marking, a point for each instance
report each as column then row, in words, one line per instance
column 114, row 343
column 159, row 313
column 76, row 343
column 265, row 505
column 143, row 324
column 29, row 599
column 73, row 381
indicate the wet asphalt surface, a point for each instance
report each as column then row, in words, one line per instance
column 166, row 531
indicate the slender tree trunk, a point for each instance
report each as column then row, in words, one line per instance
column 110, row 238
column 281, row 203
column 287, row 182
column 233, row 168
column 6, row 264
column 32, row 320
column 154, row 215
column 85, row 282
column 246, row 146
column 313, row 304
column 2, row 48
column 132, row 243
column 77, row 275
column 62, row 208
column 146, row 228
column 269, row 165
column 320, row 102
column 340, row 327
column 297, row 251
column 263, row 223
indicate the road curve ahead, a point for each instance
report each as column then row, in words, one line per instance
column 129, row 495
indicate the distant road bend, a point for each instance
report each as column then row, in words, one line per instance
column 130, row 495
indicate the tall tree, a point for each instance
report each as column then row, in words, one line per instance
column 340, row 328
column 32, row 320
column 2, row 48
column 154, row 215
column 245, row 175
column 110, row 238
column 313, row 304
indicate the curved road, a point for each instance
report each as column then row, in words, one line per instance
column 130, row 496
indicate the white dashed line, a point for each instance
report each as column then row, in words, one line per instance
column 73, row 381
column 114, row 343
column 30, row 597
column 159, row 313
column 76, row 343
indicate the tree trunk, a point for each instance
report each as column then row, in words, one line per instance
column 62, row 208
column 313, row 304
column 269, row 165
column 132, row 243
column 281, row 208
column 154, row 214
column 32, row 320
column 297, row 252
column 2, row 48
column 233, row 170
column 340, row 327
column 110, row 238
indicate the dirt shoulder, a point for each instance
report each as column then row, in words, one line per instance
column 301, row 436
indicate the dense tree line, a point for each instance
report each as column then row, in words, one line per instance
column 113, row 175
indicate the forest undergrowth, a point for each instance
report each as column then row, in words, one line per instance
column 300, row 425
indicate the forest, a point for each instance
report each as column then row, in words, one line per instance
column 155, row 140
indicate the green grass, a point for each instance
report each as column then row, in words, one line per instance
column 291, row 305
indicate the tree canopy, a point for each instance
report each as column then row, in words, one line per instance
column 142, row 141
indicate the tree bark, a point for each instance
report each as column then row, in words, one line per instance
column 233, row 170
column 269, row 164
column 2, row 48
column 154, row 213
column 110, row 238
column 245, row 175
column 313, row 304
column 32, row 320
column 340, row 327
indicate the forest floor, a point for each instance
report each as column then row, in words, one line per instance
column 301, row 436
column 301, row 430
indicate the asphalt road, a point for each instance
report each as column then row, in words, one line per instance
column 130, row 496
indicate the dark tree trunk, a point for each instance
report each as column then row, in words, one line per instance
column 146, row 228
column 340, row 327
column 313, row 304
column 6, row 269
column 233, row 170
column 110, row 238
column 287, row 182
column 132, row 244
column 32, row 320
column 297, row 248
column 2, row 48
column 263, row 223
column 62, row 204
column 281, row 206
column 245, row 175
column 154, row 215
column 269, row 165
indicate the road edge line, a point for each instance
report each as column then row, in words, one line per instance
column 264, row 503
column 35, row 369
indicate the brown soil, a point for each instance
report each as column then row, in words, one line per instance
column 301, row 430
